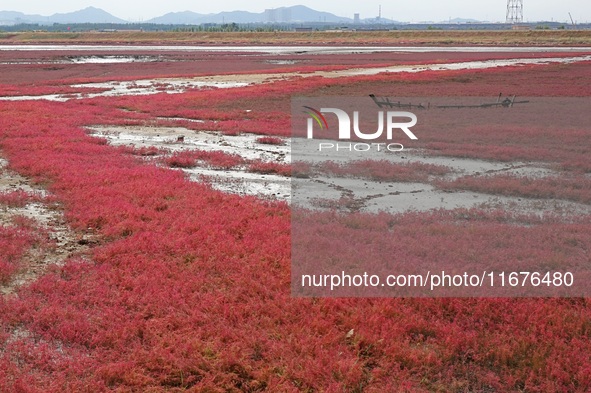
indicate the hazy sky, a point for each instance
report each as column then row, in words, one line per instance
column 417, row 10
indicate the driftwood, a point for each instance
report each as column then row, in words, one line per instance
column 385, row 102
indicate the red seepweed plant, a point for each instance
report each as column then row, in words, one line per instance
column 270, row 140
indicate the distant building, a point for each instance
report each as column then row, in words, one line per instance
column 356, row 19
column 520, row 27
column 271, row 15
column 278, row 15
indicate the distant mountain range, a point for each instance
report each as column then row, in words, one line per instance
column 294, row 14
column 87, row 15
column 464, row 20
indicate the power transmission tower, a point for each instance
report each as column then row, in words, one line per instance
column 514, row 11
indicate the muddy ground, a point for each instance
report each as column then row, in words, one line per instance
column 366, row 195
column 62, row 242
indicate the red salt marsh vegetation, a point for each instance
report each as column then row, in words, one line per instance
column 186, row 288
column 569, row 187
column 14, row 241
column 36, row 72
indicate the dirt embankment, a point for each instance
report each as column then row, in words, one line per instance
column 395, row 37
